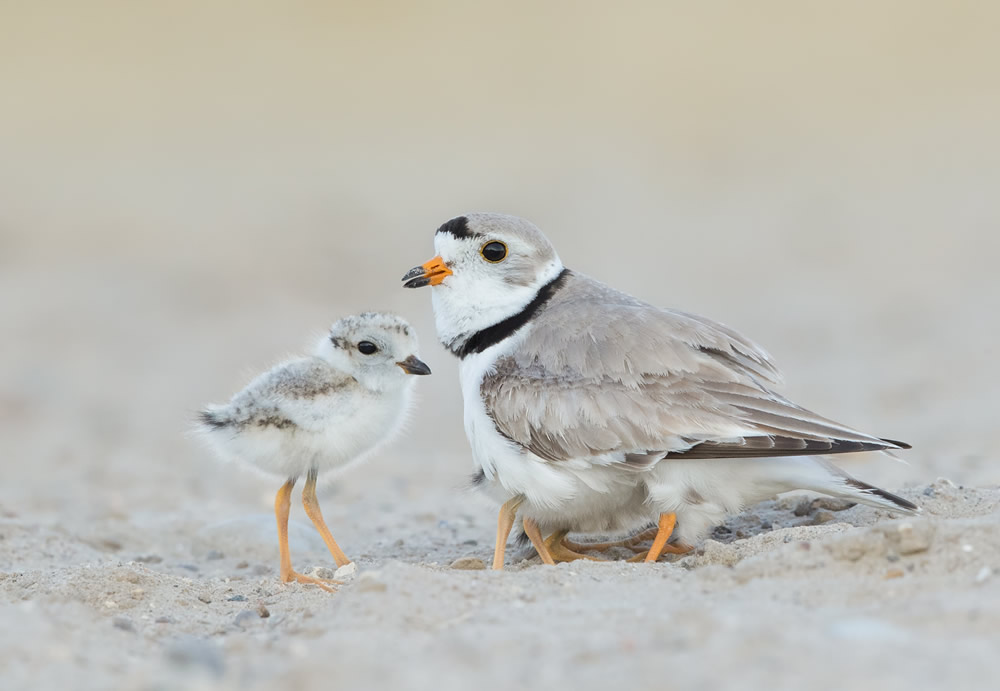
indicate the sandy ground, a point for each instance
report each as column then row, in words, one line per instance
column 130, row 559
column 188, row 192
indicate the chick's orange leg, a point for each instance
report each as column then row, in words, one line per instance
column 559, row 548
column 629, row 542
column 311, row 505
column 282, row 507
column 505, row 521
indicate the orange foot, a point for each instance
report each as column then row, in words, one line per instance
column 323, row 583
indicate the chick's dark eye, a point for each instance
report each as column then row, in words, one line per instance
column 494, row 251
column 367, row 347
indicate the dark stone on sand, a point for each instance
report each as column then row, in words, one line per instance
column 123, row 623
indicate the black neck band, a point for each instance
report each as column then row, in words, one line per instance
column 490, row 336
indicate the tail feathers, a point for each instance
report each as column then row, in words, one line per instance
column 213, row 419
column 874, row 496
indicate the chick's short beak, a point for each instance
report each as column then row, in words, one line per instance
column 428, row 274
column 412, row 365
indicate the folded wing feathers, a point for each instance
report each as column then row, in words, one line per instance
column 650, row 384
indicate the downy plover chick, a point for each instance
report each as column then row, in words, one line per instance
column 589, row 410
column 320, row 413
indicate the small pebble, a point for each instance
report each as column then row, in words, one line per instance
column 346, row 571
column 832, row 504
column 324, row 572
column 803, row 508
column 893, row 573
column 205, row 597
column 214, row 555
column 468, row 564
column 164, row 620
column 766, row 525
column 242, row 565
column 123, row 623
column 823, row 516
column 237, row 598
column 149, row 559
column 263, row 611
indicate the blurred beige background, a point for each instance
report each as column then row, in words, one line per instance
column 190, row 190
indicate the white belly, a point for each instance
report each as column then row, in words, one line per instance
column 581, row 495
column 340, row 438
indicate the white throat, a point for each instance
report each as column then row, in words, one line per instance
column 463, row 306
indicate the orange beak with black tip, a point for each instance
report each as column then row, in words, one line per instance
column 428, row 274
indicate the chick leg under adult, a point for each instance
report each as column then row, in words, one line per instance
column 663, row 532
column 311, row 505
column 560, row 549
column 505, row 521
column 629, row 542
column 282, row 507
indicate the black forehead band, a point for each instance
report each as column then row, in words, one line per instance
column 459, row 228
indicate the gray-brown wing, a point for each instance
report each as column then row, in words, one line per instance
column 292, row 394
column 604, row 376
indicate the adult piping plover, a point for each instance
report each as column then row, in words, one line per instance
column 589, row 410
column 320, row 413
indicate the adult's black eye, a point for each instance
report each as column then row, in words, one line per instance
column 494, row 251
column 367, row 347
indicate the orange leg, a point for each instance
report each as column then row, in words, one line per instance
column 660, row 546
column 311, row 505
column 535, row 535
column 282, row 507
column 560, row 552
column 629, row 542
column 505, row 521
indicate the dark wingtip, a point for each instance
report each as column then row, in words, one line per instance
column 898, row 444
